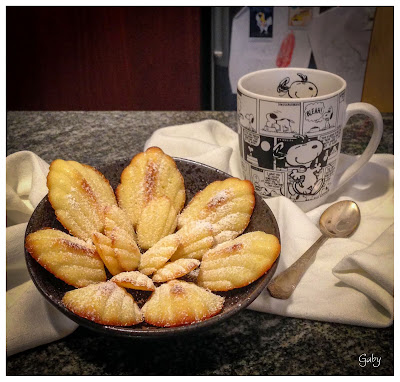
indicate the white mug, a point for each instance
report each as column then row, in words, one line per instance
column 290, row 125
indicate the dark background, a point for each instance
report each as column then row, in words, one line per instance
column 107, row 58
column 143, row 58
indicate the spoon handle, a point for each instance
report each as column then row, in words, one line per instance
column 283, row 285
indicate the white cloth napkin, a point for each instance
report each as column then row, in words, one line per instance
column 351, row 280
column 31, row 321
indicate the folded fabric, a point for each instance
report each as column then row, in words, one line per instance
column 31, row 321
column 351, row 280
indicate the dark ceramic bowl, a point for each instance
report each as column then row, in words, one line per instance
column 197, row 176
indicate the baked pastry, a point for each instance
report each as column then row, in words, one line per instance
column 239, row 262
column 227, row 204
column 151, row 174
column 134, row 280
column 195, row 238
column 155, row 257
column 158, row 219
column 117, row 247
column 177, row 303
column 105, row 303
column 78, row 193
column 115, row 217
column 175, row 269
column 70, row 259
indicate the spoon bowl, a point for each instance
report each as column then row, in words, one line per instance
column 340, row 219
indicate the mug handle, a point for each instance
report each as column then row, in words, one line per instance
column 376, row 117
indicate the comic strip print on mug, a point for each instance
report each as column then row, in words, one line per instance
column 290, row 148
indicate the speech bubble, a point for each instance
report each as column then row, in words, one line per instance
column 314, row 112
column 251, row 138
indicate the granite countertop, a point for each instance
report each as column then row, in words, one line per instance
column 249, row 343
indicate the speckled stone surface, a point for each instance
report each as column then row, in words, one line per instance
column 249, row 343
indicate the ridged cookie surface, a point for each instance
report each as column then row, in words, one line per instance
column 239, row 262
column 134, row 280
column 151, row 174
column 155, row 257
column 78, row 193
column 178, row 303
column 70, row 259
column 158, row 219
column 117, row 247
column 227, row 204
column 105, row 303
column 195, row 238
column 175, row 269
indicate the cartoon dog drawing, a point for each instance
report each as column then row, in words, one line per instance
column 285, row 125
column 298, row 89
column 270, row 124
column 326, row 116
column 262, row 23
column 273, row 124
column 303, row 156
column 247, row 121
column 250, row 121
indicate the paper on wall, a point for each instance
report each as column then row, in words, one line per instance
column 248, row 55
column 340, row 41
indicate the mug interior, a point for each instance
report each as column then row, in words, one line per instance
column 291, row 83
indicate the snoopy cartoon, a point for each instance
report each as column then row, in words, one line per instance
column 303, row 156
column 250, row 119
column 273, row 124
column 262, row 23
column 285, row 125
column 327, row 117
column 298, row 89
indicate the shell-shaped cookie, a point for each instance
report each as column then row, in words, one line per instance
column 117, row 247
column 239, row 262
column 70, row 259
column 178, row 303
column 134, row 280
column 195, row 238
column 115, row 217
column 105, row 303
column 78, row 193
column 118, row 251
column 175, row 269
column 151, row 174
column 227, row 204
column 155, row 257
column 158, row 219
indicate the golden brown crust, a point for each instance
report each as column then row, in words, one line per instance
column 68, row 258
column 134, row 280
column 150, row 174
column 227, row 205
column 158, row 219
column 78, row 194
column 155, row 257
column 175, row 269
column 117, row 247
column 239, row 262
column 195, row 239
column 178, row 303
column 105, row 303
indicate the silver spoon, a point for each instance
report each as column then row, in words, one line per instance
column 339, row 220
